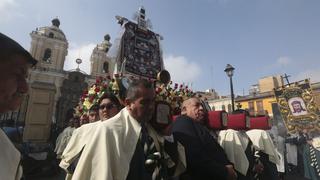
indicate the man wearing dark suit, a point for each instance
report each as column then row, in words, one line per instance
column 206, row 160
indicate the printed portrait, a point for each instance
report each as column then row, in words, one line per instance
column 297, row 106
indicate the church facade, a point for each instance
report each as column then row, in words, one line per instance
column 53, row 91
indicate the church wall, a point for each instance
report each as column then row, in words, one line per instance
column 41, row 105
column 39, row 112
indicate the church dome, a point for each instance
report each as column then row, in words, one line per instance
column 52, row 31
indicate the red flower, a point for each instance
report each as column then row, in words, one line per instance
column 91, row 99
column 158, row 90
column 97, row 89
column 98, row 81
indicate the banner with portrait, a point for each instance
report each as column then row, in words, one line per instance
column 297, row 106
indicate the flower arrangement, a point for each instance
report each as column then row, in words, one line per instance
column 173, row 94
column 92, row 95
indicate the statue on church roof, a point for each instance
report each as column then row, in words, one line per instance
column 107, row 37
column 56, row 22
column 106, row 44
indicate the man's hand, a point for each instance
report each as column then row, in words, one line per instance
column 232, row 175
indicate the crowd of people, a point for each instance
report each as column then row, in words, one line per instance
column 118, row 138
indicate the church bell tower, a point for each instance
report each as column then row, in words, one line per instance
column 101, row 64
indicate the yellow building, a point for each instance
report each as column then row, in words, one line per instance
column 258, row 103
column 261, row 103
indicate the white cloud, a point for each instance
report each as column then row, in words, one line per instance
column 283, row 61
column 79, row 51
column 8, row 10
column 4, row 4
column 313, row 74
column 182, row 70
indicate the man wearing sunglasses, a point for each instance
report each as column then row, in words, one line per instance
column 107, row 107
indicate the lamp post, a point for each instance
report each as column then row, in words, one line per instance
column 229, row 70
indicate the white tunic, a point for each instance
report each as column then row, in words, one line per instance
column 234, row 144
column 78, row 140
column 108, row 154
column 63, row 140
column 9, row 159
column 262, row 141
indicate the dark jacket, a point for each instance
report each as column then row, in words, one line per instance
column 205, row 157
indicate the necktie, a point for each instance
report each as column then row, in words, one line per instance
column 153, row 158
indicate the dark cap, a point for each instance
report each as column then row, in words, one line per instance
column 9, row 47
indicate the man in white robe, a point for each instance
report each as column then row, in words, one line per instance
column 80, row 137
column 235, row 144
column 269, row 156
column 113, row 151
column 9, row 158
column 63, row 138
column 14, row 64
column 108, row 106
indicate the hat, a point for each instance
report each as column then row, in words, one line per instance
column 9, row 46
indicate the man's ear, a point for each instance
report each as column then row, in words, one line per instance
column 183, row 110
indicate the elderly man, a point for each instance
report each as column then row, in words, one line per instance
column 119, row 148
column 205, row 157
column 14, row 64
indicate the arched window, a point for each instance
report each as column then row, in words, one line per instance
column 51, row 35
column 105, row 67
column 229, row 108
column 223, row 107
column 47, row 55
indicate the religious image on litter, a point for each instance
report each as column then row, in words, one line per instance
column 138, row 51
column 297, row 106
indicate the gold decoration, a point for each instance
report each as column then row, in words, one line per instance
column 297, row 106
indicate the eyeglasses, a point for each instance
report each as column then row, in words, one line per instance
column 107, row 106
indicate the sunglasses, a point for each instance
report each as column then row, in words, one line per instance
column 107, row 106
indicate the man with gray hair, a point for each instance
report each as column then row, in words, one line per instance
column 118, row 148
column 205, row 157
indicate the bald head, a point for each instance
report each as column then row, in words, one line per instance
column 193, row 108
column 188, row 102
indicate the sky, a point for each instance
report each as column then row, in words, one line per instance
column 257, row 37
